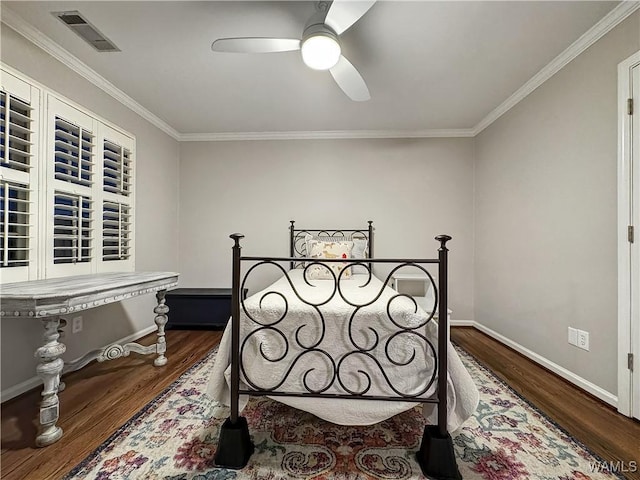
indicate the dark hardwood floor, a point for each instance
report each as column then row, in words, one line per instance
column 103, row 396
column 96, row 401
column 597, row 425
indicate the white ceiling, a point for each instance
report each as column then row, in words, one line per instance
column 428, row 65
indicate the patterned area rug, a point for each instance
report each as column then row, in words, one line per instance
column 175, row 437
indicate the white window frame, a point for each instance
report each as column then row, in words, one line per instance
column 113, row 135
column 14, row 86
column 47, row 105
column 59, row 108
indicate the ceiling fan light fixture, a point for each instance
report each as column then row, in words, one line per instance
column 320, row 51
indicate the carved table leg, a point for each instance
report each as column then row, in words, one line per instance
column 49, row 369
column 161, row 320
column 63, row 323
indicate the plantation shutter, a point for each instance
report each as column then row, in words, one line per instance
column 74, row 149
column 116, row 231
column 71, row 247
column 117, row 200
column 17, row 118
column 16, row 224
column 72, row 236
column 19, row 121
column 67, row 196
column 117, row 168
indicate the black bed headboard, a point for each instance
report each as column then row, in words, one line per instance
column 298, row 247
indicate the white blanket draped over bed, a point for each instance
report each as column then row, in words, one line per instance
column 302, row 326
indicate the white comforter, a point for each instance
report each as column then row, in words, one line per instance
column 412, row 378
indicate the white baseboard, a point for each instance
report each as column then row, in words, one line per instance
column 20, row 388
column 15, row 390
column 462, row 323
column 578, row 381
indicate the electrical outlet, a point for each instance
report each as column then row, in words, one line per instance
column 573, row 336
column 76, row 325
column 583, row 340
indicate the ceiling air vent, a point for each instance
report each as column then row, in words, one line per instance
column 90, row 34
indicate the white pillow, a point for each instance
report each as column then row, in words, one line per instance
column 334, row 249
column 360, row 249
column 307, row 238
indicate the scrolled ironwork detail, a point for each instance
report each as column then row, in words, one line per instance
column 363, row 391
column 293, row 348
column 330, row 381
column 315, row 306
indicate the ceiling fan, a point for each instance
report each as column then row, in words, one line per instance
column 319, row 46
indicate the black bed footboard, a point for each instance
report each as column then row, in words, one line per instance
column 378, row 348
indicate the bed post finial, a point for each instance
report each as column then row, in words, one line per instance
column 236, row 237
column 443, row 239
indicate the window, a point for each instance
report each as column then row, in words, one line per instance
column 117, row 168
column 116, row 231
column 72, row 228
column 71, row 190
column 15, row 224
column 19, row 111
column 80, row 218
column 116, row 208
column 73, row 153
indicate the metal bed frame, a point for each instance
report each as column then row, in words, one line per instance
column 436, row 455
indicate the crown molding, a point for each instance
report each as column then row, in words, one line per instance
column 17, row 23
column 324, row 135
column 591, row 36
column 606, row 24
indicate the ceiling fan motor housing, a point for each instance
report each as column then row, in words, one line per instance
column 319, row 29
column 320, row 47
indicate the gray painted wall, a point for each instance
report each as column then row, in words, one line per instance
column 256, row 187
column 545, row 212
column 156, row 223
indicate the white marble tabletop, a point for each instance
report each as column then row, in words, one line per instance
column 55, row 296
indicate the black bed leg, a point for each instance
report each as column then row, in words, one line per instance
column 234, row 444
column 436, row 456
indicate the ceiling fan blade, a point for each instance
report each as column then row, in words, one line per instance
column 255, row 45
column 350, row 80
column 344, row 13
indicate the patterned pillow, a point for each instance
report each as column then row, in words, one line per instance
column 319, row 249
column 360, row 249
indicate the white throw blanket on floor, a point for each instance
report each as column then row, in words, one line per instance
column 336, row 341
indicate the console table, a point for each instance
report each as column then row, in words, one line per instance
column 51, row 299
